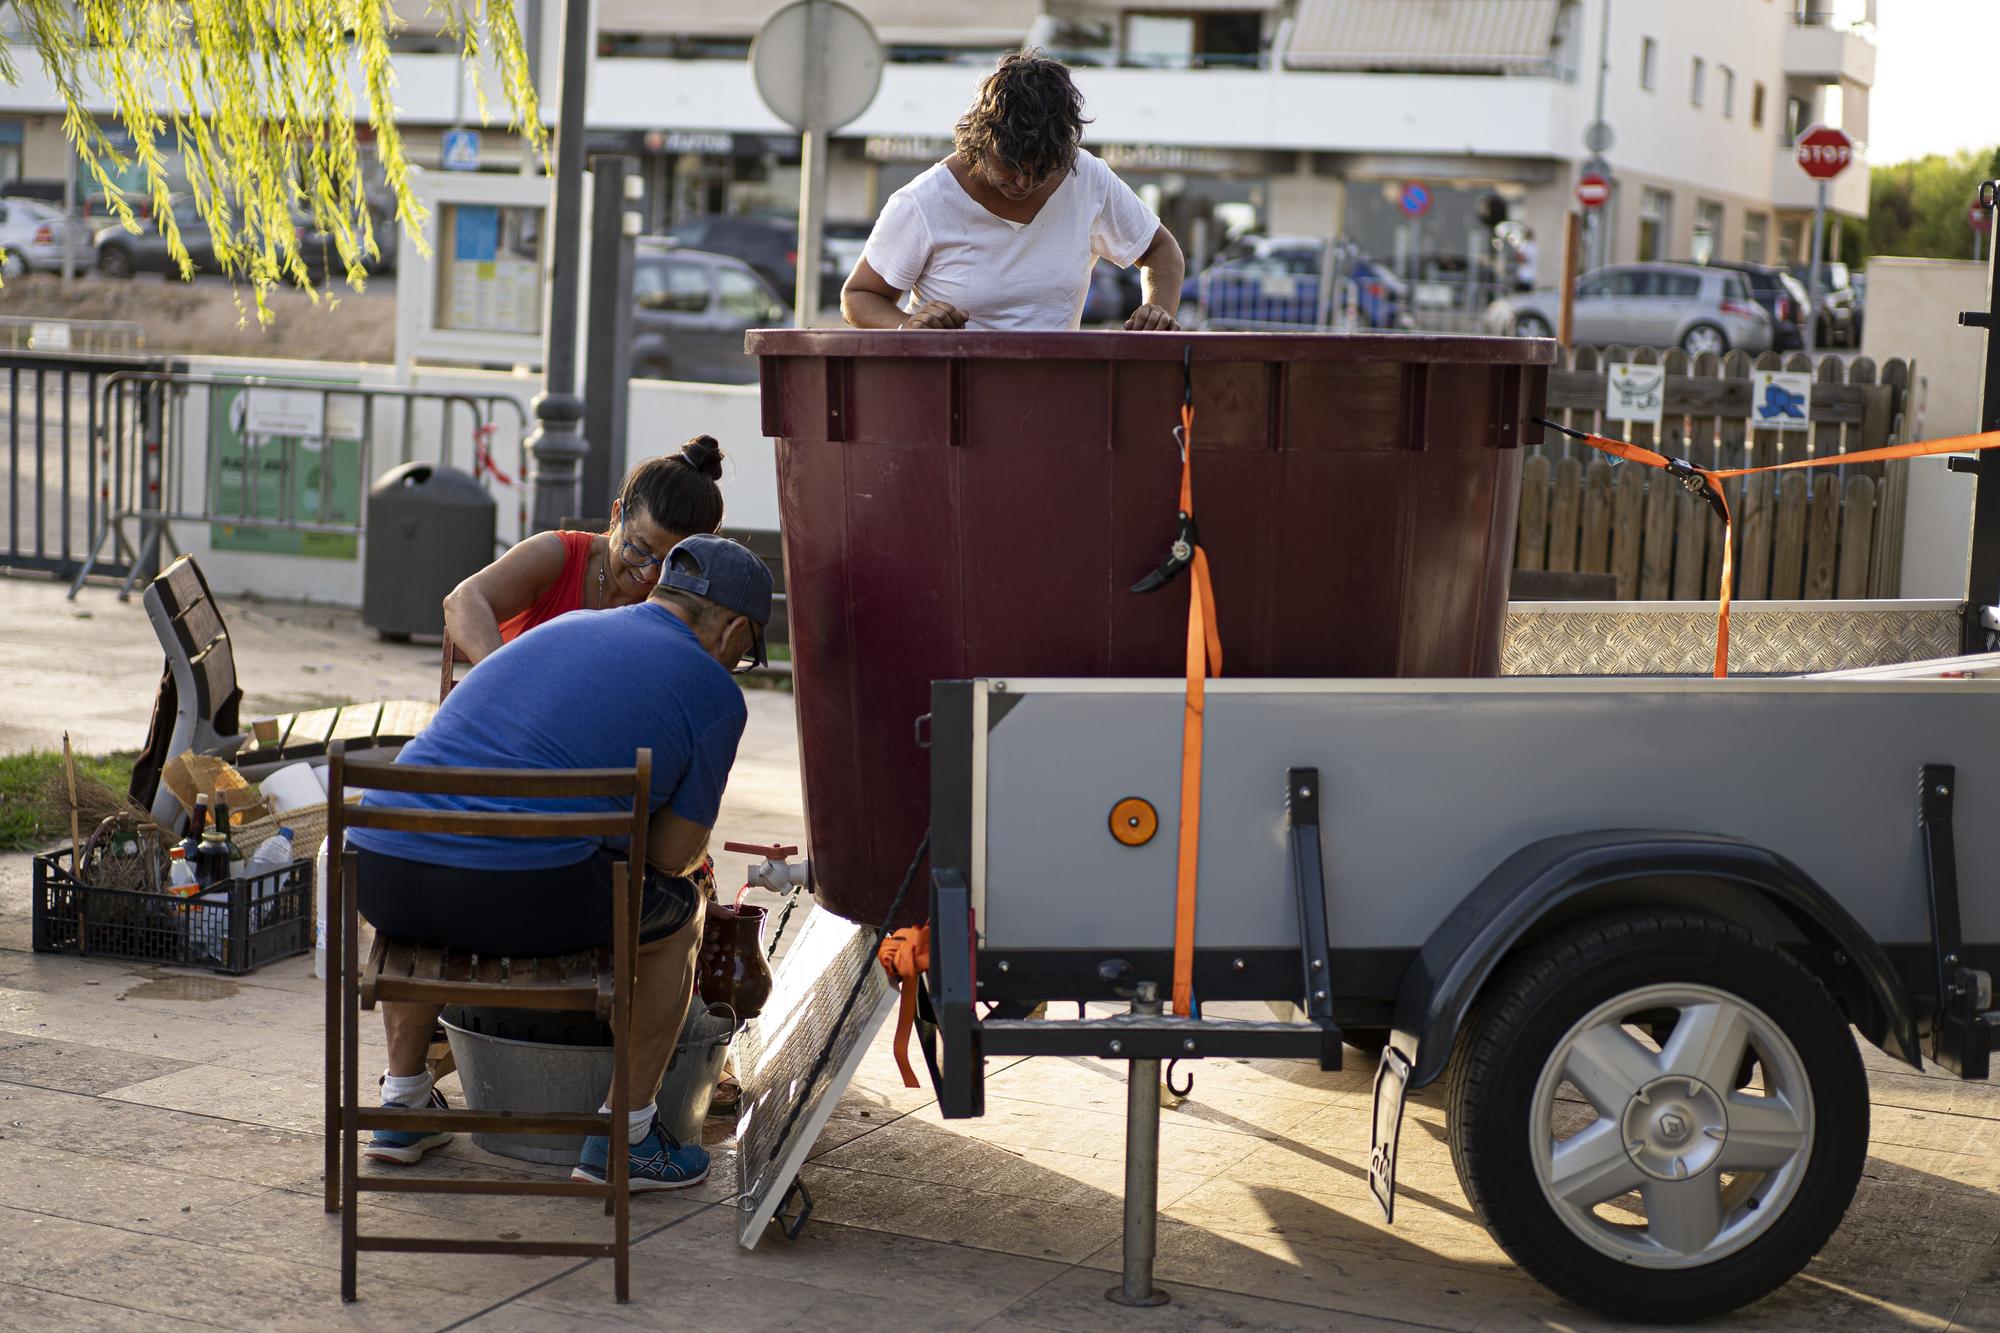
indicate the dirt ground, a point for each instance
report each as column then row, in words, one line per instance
column 211, row 317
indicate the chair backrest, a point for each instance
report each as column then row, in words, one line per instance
column 370, row 772
column 190, row 629
column 199, row 696
column 448, row 672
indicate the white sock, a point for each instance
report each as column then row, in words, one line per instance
column 406, row 1090
column 638, row 1123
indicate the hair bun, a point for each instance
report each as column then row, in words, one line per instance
column 704, row 454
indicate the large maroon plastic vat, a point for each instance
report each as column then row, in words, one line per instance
column 961, row 504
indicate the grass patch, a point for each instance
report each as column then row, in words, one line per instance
column 26, row 824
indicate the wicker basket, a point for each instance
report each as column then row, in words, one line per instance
column 307, row 823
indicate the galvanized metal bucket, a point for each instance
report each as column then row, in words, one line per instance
column 538, row 1060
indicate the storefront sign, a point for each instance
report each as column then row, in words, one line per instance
column 904, row 148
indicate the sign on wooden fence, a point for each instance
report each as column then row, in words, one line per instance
column 1816, row 533
column 1780, row 399
column 1633, row 393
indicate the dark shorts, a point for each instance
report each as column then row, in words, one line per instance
column 524, row 913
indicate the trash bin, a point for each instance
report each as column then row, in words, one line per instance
column 428, row 527
column 980, row 504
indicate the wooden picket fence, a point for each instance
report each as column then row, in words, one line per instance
column 1816, row 533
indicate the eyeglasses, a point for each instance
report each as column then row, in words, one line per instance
column 637, row 556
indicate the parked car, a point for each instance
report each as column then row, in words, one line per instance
column 32, row 233
column 1276, row 280
column 844, row 243
column 1782, row 296
column 1114, row 293
column 48, row 189
column 1653, row 305
column 768, row 244
column 690, row 309
column 1839, row 308
column 121, row 254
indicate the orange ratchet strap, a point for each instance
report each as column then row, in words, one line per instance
column 906, row 955
column 1204, row 659
column 1707, row 483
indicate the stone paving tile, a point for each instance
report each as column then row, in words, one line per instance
column 1075, row 1303
column 70, row 1066
column 832, row 1278
column 28, row 1310
column 916, row 1151
column 269, row 1290
column 279, row 1100
column 1393, row 1279
column 1184, row 1146
column 957, row 1215
column 139, row 1194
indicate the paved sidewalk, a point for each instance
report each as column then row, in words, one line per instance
column 160, row 1149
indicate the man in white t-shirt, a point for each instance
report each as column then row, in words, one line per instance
column 1004, row 232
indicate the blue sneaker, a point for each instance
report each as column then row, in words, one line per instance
column 403, row 1147
column 658, row 1162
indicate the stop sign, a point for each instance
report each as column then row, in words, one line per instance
column 1824, row 152
column 1592, row 190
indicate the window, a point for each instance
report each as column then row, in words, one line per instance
column 1756, row 237
column 1649, row 60
column 745, row 298
column 1698, row 83
column 1656, row 209
column 1798, row 118
column 1665, row 286
column 1617, row 282
column 672, row 285
column 1736, row 287
column 1728, row 92
column 1757, row 106
column 1707, row 231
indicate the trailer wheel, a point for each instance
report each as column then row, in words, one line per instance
column 1659, row 1115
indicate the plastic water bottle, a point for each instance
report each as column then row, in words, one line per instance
column 274, row 853
column 319, row 912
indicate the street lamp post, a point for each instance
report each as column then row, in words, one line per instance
column 557, row 444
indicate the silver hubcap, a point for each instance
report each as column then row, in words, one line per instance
column 1676, row 1153
column 1702, row 340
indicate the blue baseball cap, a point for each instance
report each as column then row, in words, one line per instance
column 726, row 573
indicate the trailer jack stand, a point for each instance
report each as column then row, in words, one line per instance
column 1142, row 1168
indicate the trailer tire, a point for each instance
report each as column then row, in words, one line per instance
column 1739, row 1190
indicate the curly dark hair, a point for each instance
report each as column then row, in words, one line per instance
column 1028, row 116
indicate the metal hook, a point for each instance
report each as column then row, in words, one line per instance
column 1168, row 1079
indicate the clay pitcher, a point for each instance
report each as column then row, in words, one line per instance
column 731, row 968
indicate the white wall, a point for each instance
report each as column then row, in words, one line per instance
column 661, row 415
column 1912, row 312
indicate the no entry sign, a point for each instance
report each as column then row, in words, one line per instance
column 1592, row 190
column 1824, row 152
column 1416, row 200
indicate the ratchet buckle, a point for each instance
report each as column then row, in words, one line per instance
column 1179, row 556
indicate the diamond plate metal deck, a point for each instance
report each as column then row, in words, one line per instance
column 1765, row 638
column 776, row 1052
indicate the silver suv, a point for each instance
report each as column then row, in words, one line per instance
column 1654, row 305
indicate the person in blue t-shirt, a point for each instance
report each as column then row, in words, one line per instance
column 586, row 690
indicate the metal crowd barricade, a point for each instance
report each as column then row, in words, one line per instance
column 57, row 497
column 143, row 450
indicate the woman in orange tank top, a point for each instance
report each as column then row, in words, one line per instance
column 552, row 573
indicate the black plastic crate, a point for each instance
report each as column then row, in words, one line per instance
column 231, row 927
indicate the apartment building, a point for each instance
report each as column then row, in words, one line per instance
column 1286, row 116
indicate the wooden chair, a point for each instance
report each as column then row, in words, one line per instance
column 600, row 982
